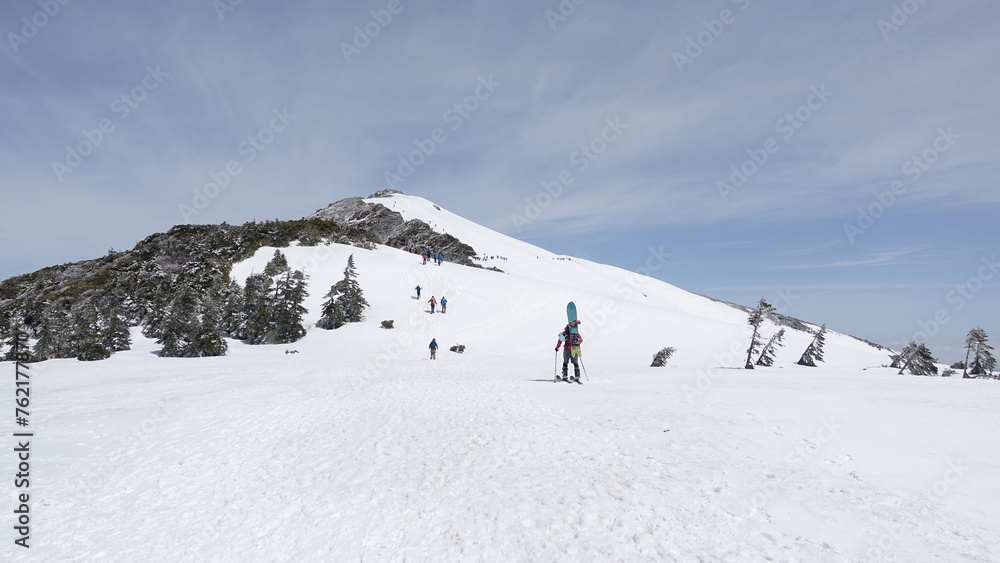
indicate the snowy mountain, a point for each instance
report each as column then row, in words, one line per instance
column 626, row 317
column 351, row 445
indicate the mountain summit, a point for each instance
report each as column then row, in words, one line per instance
column 507, row 297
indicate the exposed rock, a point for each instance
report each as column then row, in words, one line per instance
column 390, row 228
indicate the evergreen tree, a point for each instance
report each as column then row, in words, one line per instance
column 345, row 302
column 758, row 315
column 233, row 313
column 661, row 357
column 332, row 314
column 6, row 330
column 814, row 352
column 192, row 326
column 53, row 336
column 85, row 338
column 15, row 346
column 258, row 303
column 917, row 358
column 277, row 266
column 977, row 346
column 155, row 314
column 115, row 335
column 208, row 340
column 767, row 354
column 180, row 325
column 291, row 292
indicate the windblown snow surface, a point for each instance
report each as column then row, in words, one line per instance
column 360, row 448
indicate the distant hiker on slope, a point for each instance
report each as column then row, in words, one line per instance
column 440, row 258
column 418, row 292
column 570, row 343
column 433, row 303
column 434, row 348
column 444, row 304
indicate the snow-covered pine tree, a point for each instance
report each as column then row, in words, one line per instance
column 207, row 340
column 814, row 351
column 233, row 321
column 155, row 313
column 661, row 357
column 288, row 311
column 978, row 358
column 766, row 358
column 354, row 302
column 15, row 347
column 53, row 336
column 757, row 316
column 6, row 330
column 977, row 345
column 345, row 302
column 332, row 314
column 180, row 324
column 918, row 359
column 85, row 338
column 277, row 266
column 258, row 303
column 115, row 334
column 897, row 360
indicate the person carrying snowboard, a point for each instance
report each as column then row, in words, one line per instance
column 434, row 348
column 418, row 292
column 433, row 303
column 444, row 304
column 570, row 343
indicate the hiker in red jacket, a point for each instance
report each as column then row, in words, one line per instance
column 570, row 343
column 433, row 303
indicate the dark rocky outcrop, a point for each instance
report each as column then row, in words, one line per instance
column 390, row 229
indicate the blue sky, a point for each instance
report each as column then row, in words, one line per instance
column 844, row 154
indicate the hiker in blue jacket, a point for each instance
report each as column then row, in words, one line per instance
column 444, row 304
column 434, row 348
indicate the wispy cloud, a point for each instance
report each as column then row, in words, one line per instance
column 885, row 258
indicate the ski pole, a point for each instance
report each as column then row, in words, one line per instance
column 555, row 365
column 584, row 368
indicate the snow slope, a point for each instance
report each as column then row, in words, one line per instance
column 626, row 317
column 358, row 448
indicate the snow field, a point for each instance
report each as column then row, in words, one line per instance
column 274, row 457
column 358, row 448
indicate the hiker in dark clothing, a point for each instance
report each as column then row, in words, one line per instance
column 570, row 343
column 434, row 348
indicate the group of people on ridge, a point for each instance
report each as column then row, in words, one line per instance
column 428, row 255
column 434, row 302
